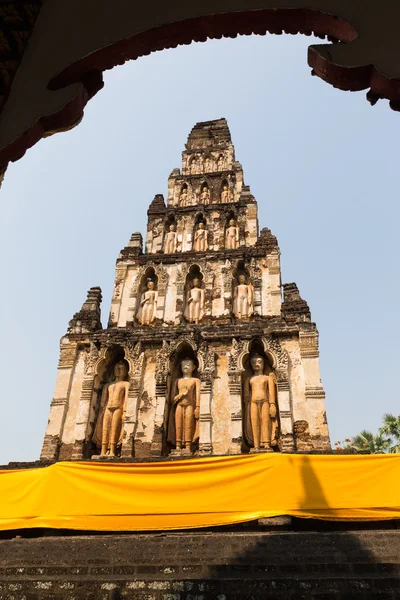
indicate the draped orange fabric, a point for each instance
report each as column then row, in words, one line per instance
column 200, row 492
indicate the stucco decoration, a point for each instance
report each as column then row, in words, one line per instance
column 182, row 340
column 68, row 50
column 214, row 307
column 279, row 356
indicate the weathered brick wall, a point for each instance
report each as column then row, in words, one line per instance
column 358, row 565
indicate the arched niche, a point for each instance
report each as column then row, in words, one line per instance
column 195, row 165
column 240, row 275
column 225, row 192
column 170, row 220
column 209, row 163
column 200, row 217
column 221, row 163
column 104, row 374
column 148, row 276
column 258, row 347
column 241, row 269
column 170, row 225
column 205, row 193
column 184, row 198
column 194, row 278
column 202, row 244
column 184, row 350
column 231, row 238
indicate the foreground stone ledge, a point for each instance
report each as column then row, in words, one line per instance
column 361, row 565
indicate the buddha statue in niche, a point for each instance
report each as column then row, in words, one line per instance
column 183, row 423
column 260, row 411
column 195, row 166
column 195, row 301
column 232, row 236
column 183, row 197
column 109, row 426
column 148, row 303
column 170, row 240
column 205, row 196
column 225, row 195
column 243, row 298
column 200, row 238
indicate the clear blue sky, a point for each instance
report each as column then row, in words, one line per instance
column 322, row 164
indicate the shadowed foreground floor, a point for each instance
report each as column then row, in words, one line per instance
column 243, row 564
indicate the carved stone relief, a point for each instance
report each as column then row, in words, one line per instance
column 170, row 240
column 243, row 298
column 232, row 236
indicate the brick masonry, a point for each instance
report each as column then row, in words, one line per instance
column 204, row 565
column 207, row 193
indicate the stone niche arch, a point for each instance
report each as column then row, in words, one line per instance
column 208, row 163
column 181, row 188
column 278, row 361
column 102, row 374
column 239, row 269
column 171, row 219
column 195, row 272
column 221, row 163
column 161, row 279
column 257, row 346
column 226, row 217
column 206, row 185
column 225, row 182
column 195, row 165
column 200, row 217
column 184, row 347
column 149, row 274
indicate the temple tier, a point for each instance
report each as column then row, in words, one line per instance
column 201, row 354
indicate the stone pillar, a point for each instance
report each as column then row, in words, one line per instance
column 235, row 394
column 315, row 395
column 207, row 372
column 251, row 224
column 208, row 289
column 130, row 422
column 161, row 399
column 133, row 297
column 180, row 232
column 205, row 440
column 227, row 287
column 162, row 275
column 188, row 234
column 180, row 288
column 82, row 418
column 285, row 414
column 256, row 276
column 274, row 273
column 117, row 295
column 59, row 404
column 135, row 357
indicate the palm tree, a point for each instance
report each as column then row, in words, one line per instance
column 391, row 429
column 369, row 442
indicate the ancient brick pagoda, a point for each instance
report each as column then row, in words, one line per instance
column 201, row 355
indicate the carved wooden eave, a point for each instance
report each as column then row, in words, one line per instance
column 59, row 51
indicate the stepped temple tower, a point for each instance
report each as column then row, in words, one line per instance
column 205, row 351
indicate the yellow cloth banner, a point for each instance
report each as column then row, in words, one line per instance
column 200, row 492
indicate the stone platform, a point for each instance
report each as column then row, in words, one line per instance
column 241, row 564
